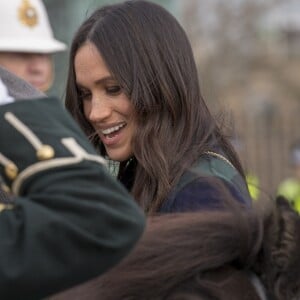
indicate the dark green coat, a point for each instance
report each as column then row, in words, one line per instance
column 69, row 219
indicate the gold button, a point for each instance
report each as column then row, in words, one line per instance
column 11, row 171
column 45, row 152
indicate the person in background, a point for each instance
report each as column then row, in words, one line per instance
column 134, row 89
column 63, row 219
column 27, row 42
column 290, row 187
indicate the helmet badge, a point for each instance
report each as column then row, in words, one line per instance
column 28, row 14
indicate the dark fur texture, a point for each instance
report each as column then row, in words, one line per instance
column 208, row 255
column 279, row 260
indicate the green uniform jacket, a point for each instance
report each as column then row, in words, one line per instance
column 69, row 220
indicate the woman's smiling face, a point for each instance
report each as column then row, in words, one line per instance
column 105, row 104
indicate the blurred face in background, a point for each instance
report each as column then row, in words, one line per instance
column 35, row 68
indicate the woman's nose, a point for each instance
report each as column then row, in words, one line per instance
column 99, row 111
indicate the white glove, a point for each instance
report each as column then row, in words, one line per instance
column 4, row 96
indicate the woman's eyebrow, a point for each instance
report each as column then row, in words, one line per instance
column 98, row 81
column 103, row 79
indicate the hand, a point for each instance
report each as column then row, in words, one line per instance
column 4, row 96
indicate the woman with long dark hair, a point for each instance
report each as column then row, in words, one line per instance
column 134, row 89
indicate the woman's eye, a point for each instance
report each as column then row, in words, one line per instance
column 113, row 90
column 84, row 95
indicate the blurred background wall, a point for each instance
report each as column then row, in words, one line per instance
column 248, row 56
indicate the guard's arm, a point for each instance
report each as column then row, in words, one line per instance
column 68, row 220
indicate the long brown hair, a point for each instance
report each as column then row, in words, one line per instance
column 149, row 54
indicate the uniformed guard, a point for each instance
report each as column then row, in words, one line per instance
column 64, row 219
column 27, row 42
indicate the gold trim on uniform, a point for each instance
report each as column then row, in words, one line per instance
column 5, row 206
column 45, row 152
column 80, row 154
column 11, row 170
column 28, row 14
column 40, row 167
column 72, row 145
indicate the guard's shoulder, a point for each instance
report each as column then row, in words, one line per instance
column 39, row 136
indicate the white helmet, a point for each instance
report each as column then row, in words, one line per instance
column 25, row 27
